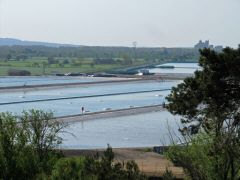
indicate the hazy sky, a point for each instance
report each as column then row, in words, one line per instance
column 169, row 23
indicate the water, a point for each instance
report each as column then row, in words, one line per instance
column 96, row 104
column 73, row 106
column 86, row 90
column 182, row 68
column 144, row 130
column 130, row 131
column 182, row 65
column 35, row 80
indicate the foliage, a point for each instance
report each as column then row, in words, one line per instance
column 149, row 54
column 16, row 72
column 168, row 175
column 105, row 169
column 194, row 157
column 26, row 144
column 68, row 168
column 96, row 168
column 209, row 103
column 27, row 151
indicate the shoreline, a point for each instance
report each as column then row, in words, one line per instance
column 59, row 85
column 120, row 79
column 110, row 114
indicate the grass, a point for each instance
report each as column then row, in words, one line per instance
column 85, row 66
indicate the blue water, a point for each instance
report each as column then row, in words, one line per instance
column 73, row 106
column 182, row 65
column 86, row 90
column 144, row 130
column 35, row 80
column 182, row 68
column 130, row 131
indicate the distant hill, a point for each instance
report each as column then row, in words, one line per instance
column 17, row 42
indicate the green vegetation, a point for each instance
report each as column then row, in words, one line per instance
column 28, row 151
column 48, row 60
column 27, row 144
column 209, row 105
column 40, row 66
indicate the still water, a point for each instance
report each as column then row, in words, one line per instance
column 144, row 130
column 73, row 106
column 40, row 80
column 94, row 104
column 182, row 68
column 130, row 131
column 87, row 90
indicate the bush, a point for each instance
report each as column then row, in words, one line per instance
column 68, row 168
column 195, row 158
column 96, row 168
column 168, row 175
column 16, row 72
column 26, row 144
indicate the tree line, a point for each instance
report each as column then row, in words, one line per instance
column 148, row 54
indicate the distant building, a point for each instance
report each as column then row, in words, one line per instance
column 201, row 44
column 206, row 44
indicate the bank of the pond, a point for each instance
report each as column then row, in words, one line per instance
column 111, row 113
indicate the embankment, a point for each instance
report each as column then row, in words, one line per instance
column 111, row 113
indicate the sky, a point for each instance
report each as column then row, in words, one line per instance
column 151, row 23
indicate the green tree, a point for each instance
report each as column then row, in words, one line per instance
column 44, row 65
column 96, row 168
column 127, row 60
column 209, row 103
column 26, row 144
column 69, row 168
column 8, row 57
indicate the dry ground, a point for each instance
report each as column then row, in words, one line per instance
column 150, row 163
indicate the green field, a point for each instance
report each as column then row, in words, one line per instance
column 41, row 66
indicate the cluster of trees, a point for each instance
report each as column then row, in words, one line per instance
column 148, row 54
column 96, row 168
column 209, row 104
column 17, row 72
column 28, row 150
column 27, row 144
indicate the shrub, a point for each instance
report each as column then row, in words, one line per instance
column 16, row 72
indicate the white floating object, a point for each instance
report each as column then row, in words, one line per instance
column 106, row 109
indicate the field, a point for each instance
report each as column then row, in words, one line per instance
column 44, row 66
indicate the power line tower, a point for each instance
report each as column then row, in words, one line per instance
column 135, row 49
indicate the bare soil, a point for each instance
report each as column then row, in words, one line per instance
column 150, row 163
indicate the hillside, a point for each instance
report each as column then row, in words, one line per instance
column 17, row 42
